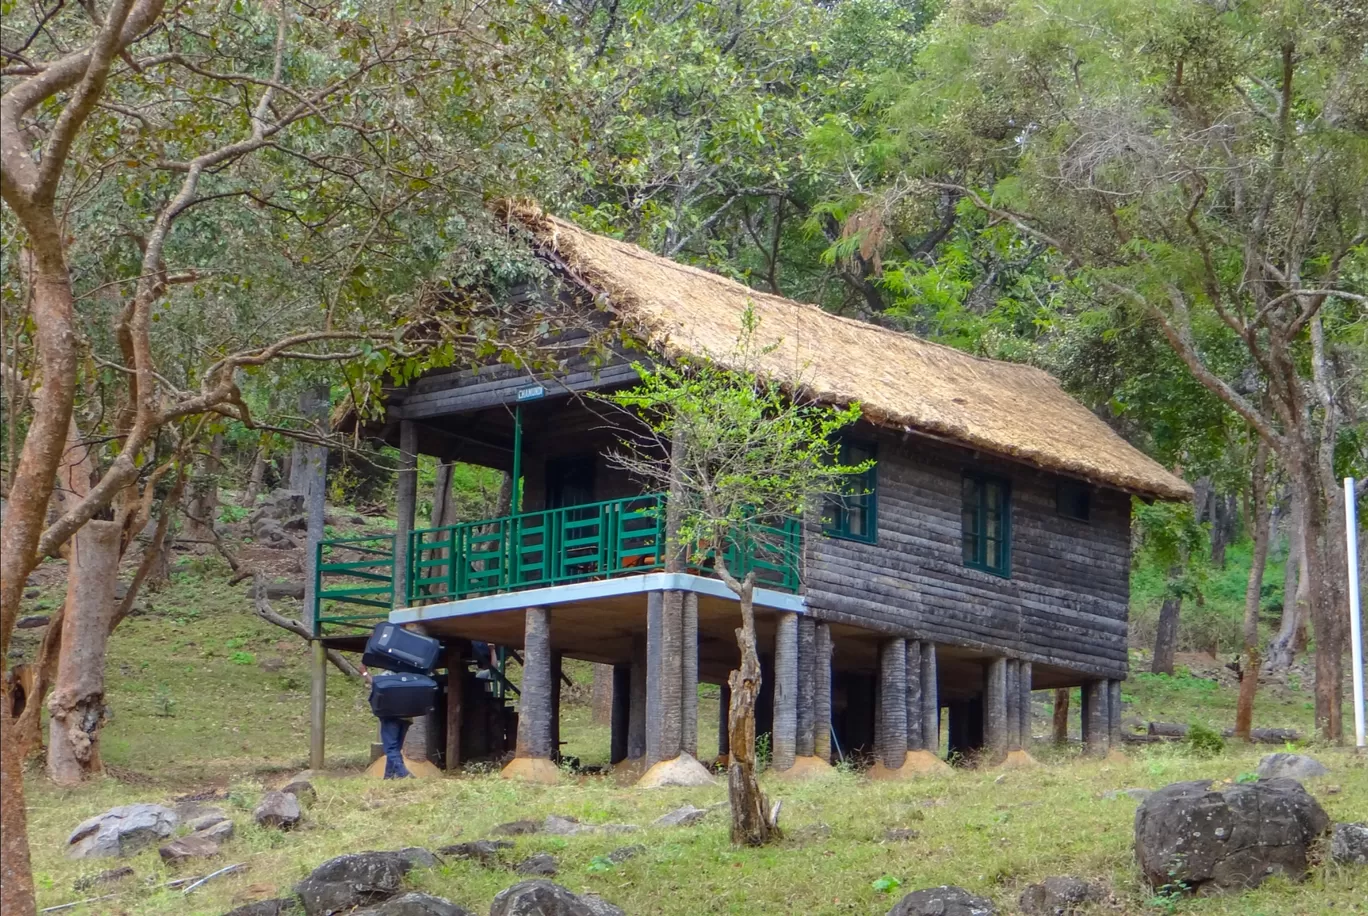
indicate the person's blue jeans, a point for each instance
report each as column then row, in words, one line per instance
column 392, row 732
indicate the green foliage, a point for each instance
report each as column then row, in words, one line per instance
column 1203, row 741
column 242, row 658
column 886, row 884
column 731, row 442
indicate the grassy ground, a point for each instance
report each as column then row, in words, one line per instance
column 208, row 697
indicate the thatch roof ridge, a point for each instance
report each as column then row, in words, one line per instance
column 1009, row 409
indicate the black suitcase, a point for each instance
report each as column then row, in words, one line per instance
column 395, row 649
column 402, row 696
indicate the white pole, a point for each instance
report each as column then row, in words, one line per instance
column 1355, row 619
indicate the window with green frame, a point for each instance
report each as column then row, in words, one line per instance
column 854, row 515
column 986, row 517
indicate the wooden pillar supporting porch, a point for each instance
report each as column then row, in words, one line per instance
column 456, row 651
column 532, row 756
column 914, row 696
column 655, row 610
column 688, row 741
column 1114, row 715
column 620, row 718
column 1095, row 717
column 783, row 746
column 723, row 724
column 1024, row 705
column 806, row 740
column 636, row 722
column 821, row 714
column 557, row 669
column 995, row 710
column 930, row 690
column 1013, row 705
column 891, row 736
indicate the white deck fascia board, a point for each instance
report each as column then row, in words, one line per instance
column 588, row 591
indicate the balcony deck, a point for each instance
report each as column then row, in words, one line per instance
column 596, row 553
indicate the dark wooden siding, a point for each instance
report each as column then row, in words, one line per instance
column 1066, row 600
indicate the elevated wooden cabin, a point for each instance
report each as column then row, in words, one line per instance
column 988, row 557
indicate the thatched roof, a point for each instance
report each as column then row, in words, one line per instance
column 899, row 380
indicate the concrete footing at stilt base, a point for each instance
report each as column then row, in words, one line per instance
column 683, row 770
column 806, row 768
column 420, row 768
column 1018, row 760
column 532, row 769
column 915, row 764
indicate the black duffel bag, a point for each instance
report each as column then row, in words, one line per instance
column 393, row 648
column 402, row 696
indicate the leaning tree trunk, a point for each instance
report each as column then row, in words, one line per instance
column 1249, row 672
column 1166, row 639
column 750, row 825
column 77, row 704
column 204, row 493
column 256, row 479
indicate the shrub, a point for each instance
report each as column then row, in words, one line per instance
column 1204, row 741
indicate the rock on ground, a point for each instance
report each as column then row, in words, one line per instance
column 1349, row 844
column 415, row 905
column 221, row 832
column 523, row 828
column 280, row 906
column 543, row 865
column 684, row 816
column 1291, row 766
column 121, row 831
column 357, row 879
column 302, row 790
column 194, row 846
column 543, row 898
column 205, row 821
column 278, row 809
column 623, row 853
column 416, row 857
column 946, row 900
column 683, row 771
column 486, row 852
column 1061, row 895
column 1211, row 840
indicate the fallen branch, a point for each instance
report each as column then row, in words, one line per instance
column 1173, row 731
column 222, row 871
column 268, row 614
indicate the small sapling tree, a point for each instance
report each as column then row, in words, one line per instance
column 742, row 452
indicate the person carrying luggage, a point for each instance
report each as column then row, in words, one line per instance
column 393, row 730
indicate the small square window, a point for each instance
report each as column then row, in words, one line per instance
column 1073, row 500
column 986, row 523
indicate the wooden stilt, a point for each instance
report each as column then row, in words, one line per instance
column 930, row 690
column 1024, row 705
column 456, row 652
column 784, row 743
column 723, row 721
column 1094, row 712
column 821, row 730
column 1114, row 715
column 1013, row 698
column 636, row 723
column 318, row 705
column 805, row 743
column 671, row 676
column 689, row 673
column 995, row 710
column 892, row 722
column 914, row 695
column 621, row 716
column 654, row 701
column 532, row 760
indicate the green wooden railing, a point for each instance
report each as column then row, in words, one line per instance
column 601, row 540
column 353, row 573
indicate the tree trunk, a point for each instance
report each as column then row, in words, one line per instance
column 1322, row 603
column 443, row 506
column 1166, row 639
column 204, row 493
column 77, row 705
column 16, row 874
column 1291, row 638
column 750, row 824
column 1060, row 722
column 1224, row 524
column 1249, row 672
column 602, row 701
column 256, row 480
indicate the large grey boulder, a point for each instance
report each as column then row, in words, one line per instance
column 414, row 904
column 946, row 900
column 346, row 882
column 1193, row 836
column 278, row 809
column 1291, row 766
column 121, row 831
column 544, row 898
column 1060, row 895
column 1349, row 844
